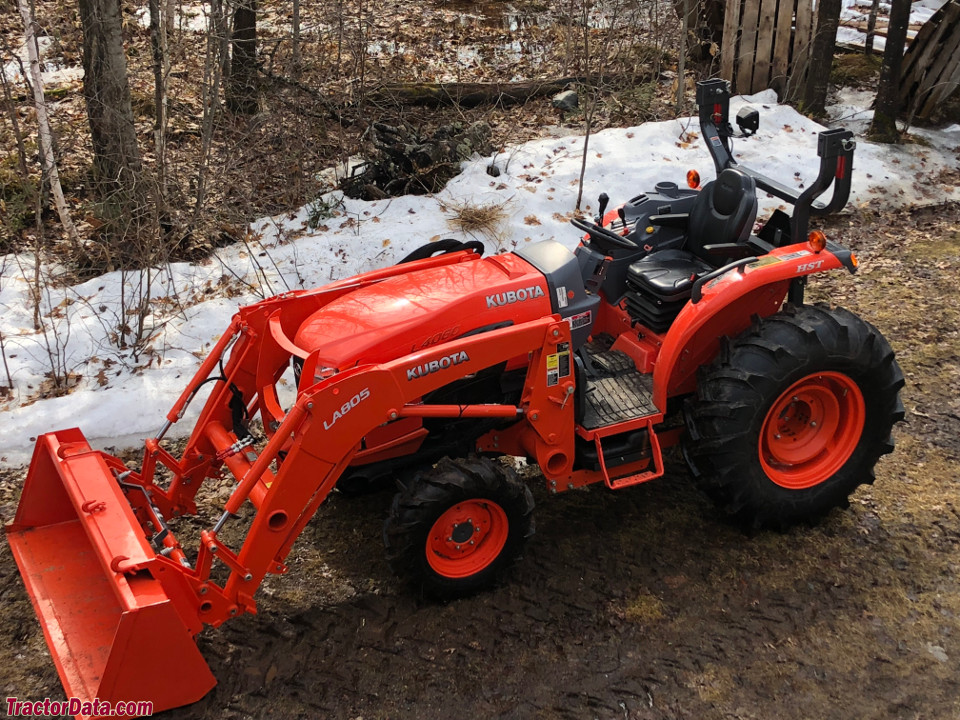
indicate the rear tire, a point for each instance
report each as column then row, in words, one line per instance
column 793, row 416
column 458, row 527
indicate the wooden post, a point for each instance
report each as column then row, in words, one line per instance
column 731, row 26
column 762, row 61
column 781, row 48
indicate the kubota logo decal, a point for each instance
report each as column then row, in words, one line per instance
column 347, row 407
column 512, row 296
column 419, row 371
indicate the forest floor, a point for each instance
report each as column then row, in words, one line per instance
column 315, row 114
column 640, row 603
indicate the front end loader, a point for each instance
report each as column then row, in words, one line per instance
column 673, row 322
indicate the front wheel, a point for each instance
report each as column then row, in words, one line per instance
column 457, row 527
column 793, row 416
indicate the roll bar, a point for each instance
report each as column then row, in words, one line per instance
column 835, row 148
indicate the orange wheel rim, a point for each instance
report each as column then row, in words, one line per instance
column 467, row 538
column 811, row 430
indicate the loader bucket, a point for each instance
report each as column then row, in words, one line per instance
column 113, row 631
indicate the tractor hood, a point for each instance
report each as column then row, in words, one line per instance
column 421, row 308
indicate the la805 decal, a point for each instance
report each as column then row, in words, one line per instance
column 346, row 407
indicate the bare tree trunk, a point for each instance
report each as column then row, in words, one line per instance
column 821, row 57
column 588, row 121
column 107, row 94
column 871, row 28
column 242, row 88
column 158, row 42
column 362, row 51
column 217, row 44
column 887, row 107
column 296, row 39
column 45, row 135
column 15, row 124
column 682, row 62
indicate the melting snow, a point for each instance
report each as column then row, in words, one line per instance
column 120, row 399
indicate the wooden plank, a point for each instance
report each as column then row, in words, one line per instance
column 913, row 80
column 781, row 50
column 940, row 93
column 748, row 46
column 949, row 83
column 880, row 30
column 938, row 77
column 761, row 66
column 801, row 46
column 916, row 49
column 731, row 28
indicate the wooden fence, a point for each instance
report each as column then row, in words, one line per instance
column 760, row 48
column 931, row 67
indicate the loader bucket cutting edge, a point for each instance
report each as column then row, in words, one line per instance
column 112, row 635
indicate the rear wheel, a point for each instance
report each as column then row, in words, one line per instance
column 458, row 526
column 793, row 415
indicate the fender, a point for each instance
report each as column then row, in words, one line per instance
column 728, row 304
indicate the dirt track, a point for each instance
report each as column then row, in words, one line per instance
column 641, row 603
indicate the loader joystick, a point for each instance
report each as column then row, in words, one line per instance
column 604, row 199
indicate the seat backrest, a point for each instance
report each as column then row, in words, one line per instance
column 724, row 212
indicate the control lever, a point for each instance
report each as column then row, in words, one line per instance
column 604, row 201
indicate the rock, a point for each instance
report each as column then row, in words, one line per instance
column 566, row 101
column 493, row 170
column 938, row 652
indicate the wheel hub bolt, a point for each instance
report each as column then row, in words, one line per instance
column 813, row 423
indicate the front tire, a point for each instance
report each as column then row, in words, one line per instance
column 793, row 416
column 457, row 527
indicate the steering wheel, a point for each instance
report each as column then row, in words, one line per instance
column 603, row 236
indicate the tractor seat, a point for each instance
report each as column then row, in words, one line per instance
column 724, row 212
column 668, row 274
column 659, row 285
column 718, row 228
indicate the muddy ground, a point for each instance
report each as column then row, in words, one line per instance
column 641, row 603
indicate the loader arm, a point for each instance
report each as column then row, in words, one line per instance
column 332, row 416
column 112, row 586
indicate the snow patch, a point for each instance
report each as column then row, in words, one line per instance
column 121, row 397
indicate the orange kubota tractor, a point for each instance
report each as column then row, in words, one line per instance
column 672, row 322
